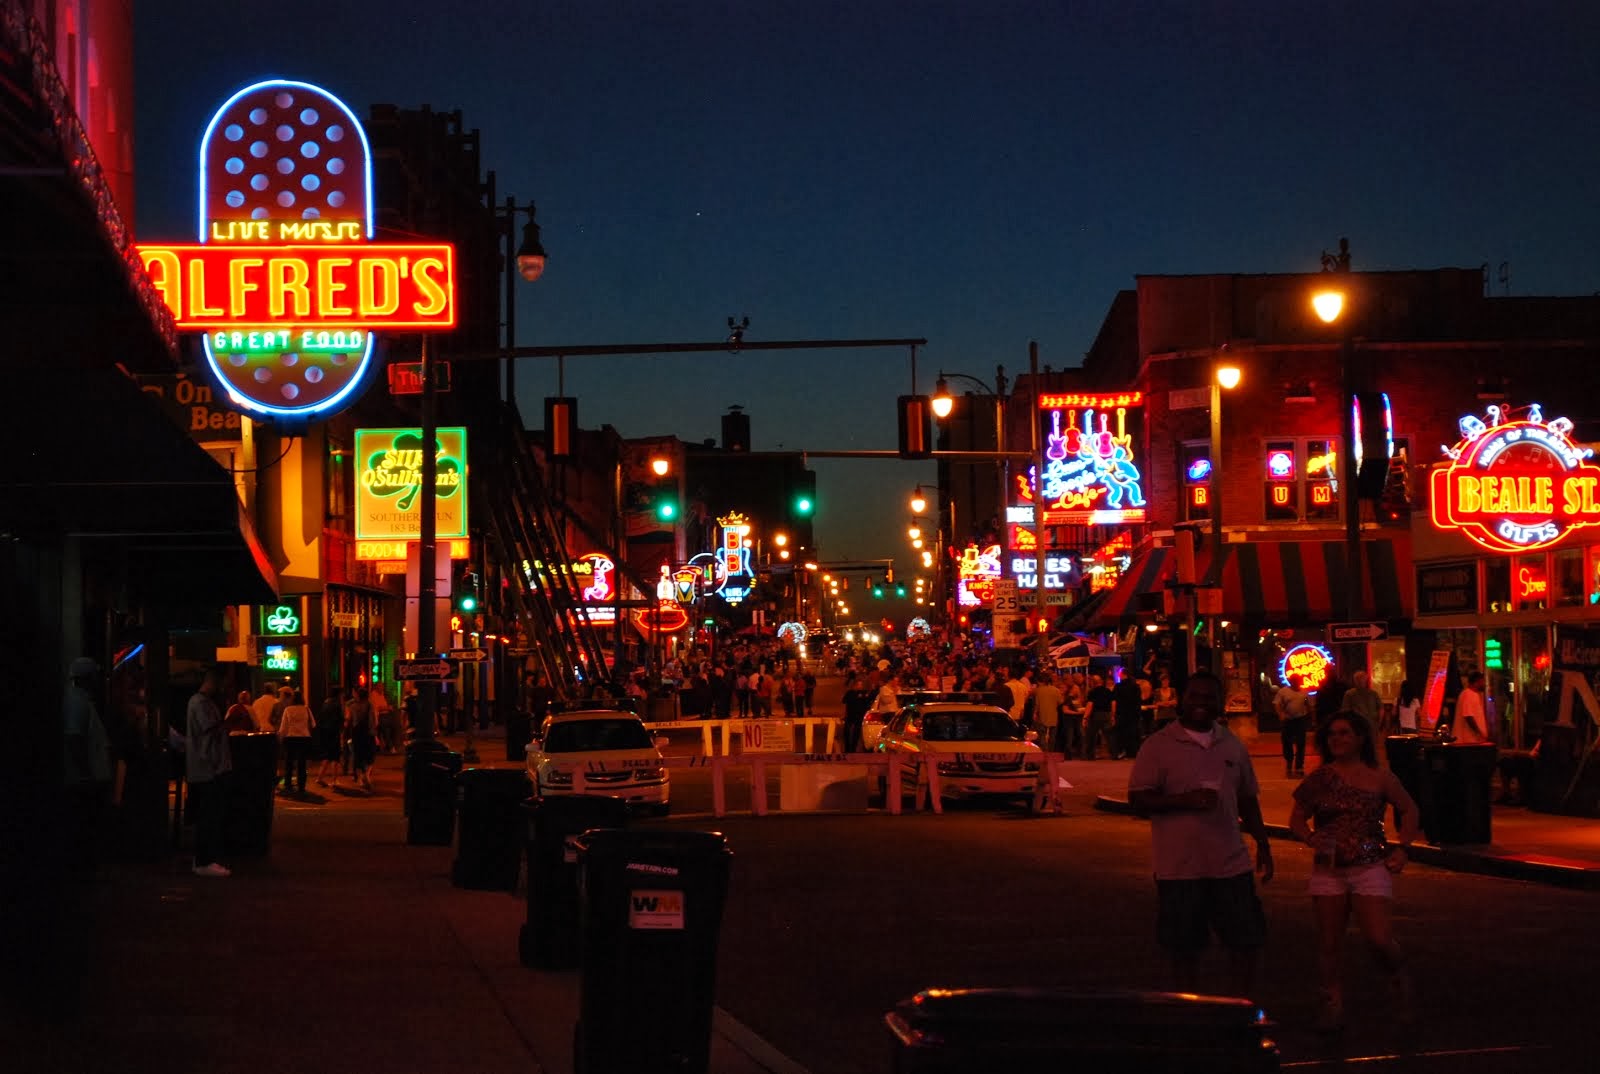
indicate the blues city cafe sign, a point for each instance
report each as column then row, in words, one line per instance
column 1516, row 482
column 285, row 285
column 1091, row 472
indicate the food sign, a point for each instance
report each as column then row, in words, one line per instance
column 285, row 284
column 1514, row 484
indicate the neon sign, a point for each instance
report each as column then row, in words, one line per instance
column 976, row 572
column 595, row 574
column 1058, row 570
column 280, row 622
column 389, row 479
column 460, row 548
column 736, row 577
column 1280, row 465
column 1532, row 584
column 1516, row 484
column 285, row 282
column 280, row 658
column 1309, row 663
column 1090, row 474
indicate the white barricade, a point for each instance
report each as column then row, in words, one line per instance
column 740, row 725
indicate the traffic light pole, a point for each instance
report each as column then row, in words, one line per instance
column 427, row 555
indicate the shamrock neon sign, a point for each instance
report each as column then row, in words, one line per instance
column 396, row 470
column 282, row 620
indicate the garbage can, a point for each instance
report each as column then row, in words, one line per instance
column 950, row 1030
column 549, row 936
column 430, row 797
column 489, row 828
column 249, row 793
column 651, row 909
column 1459, row 775
column 1406, row 761
column 519, row 729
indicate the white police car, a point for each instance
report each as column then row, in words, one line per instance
column 600, row 751
column 980, row 749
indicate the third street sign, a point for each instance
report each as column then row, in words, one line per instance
column 468, row 656
column 1348, row 632
column 437, row 670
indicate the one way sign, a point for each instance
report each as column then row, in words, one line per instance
column 1348, row 632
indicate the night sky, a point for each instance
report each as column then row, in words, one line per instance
column 980, row 174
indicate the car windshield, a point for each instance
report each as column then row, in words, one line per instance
column 974, row 726
column 583, row 736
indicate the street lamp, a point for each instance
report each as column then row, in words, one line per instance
column 1223, row 377
column 942, row 403
column 919, row 502
column 1332, row 306
column 527, row 260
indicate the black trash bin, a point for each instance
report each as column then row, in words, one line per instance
column 249, row 793
column 950, row 1030
column 1459, row 775
column 652, row 908
column 1406, row 761
column 519, row 729
column 549, row 936
column 430, row 798
column 489, row 828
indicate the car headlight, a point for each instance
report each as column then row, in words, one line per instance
column 646, row 775
column 954, row 766
column 557, row 778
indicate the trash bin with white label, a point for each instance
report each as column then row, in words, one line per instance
column 651, row 911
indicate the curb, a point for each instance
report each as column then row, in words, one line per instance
column 1555, row 872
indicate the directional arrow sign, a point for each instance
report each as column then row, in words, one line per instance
column 469, row 656
column 1347, row 632
column 437, row 670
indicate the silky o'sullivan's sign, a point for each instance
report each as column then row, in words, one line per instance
column 1516, row 482
column 286, row 286
column 389, row 484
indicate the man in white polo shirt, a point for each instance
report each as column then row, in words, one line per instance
column 1194, row 780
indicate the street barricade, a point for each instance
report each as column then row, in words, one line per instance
column 711, row 731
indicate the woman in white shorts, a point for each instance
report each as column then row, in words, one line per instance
column 1339, row 810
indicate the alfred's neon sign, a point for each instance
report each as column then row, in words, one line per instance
column 285, row 282
column 1516, row 484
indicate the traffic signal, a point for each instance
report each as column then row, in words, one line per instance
column 467, row 594
column 666, row 506
column 915, row 442
column 899, row 590
column 877, row 592
column 803, row 497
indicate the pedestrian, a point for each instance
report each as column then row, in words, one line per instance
column 858, row 696
column 1166, row 701
column 87, row 759
column 1194, row 780
column 1020, row 690
column 808, row 690
column 1047, row 698
column 1408, row 708
column 1147, row 703
column 1339, row 810
column 285, row 699
column 239, row 717
column 388, row 720
column 721, row 693
column 329, row 737
column 741, row 691
column 209, row 763
column 1470, row 725
column 1074, row 707
column 1293, row 706
column 294, row 737
column 359, row 728
column 1127, row 704
column 1362, row 700
column 263, row 705
column 1098, row 723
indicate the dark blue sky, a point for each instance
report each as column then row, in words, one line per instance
column 978, row 173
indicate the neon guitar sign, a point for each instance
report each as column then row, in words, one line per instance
column 1091, row 470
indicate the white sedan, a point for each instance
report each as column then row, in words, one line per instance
column 600, row 751
column 980, row 749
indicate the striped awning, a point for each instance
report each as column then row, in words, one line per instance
column 1303, row 583
column 1138, row 593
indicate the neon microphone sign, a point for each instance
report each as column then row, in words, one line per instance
column 285, row 282
column 1515, row 483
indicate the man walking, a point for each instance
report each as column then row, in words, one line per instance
column 1047, row 713
column 209, row 765
column 1194, row 780
column 1293, row 706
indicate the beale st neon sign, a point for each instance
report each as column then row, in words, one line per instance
column 286, row 284
column 1515, row 484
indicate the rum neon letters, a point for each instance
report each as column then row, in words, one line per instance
column 333, row 286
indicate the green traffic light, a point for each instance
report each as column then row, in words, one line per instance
column 468, row 603
column 877, row 592
column 666, row 510
column 803, row 505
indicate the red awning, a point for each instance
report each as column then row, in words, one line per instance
column 1302, row 583
column 1138, row 593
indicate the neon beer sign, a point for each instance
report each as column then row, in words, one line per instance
column 285, row 283
column 1516, row 483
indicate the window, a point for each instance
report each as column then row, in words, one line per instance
column 1569, row 590
column 1195, row 458
column 1301, row 480
column 1497, row 583
column 1530, row 584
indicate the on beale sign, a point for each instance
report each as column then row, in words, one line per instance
column 1516, row 483
column 285, row 282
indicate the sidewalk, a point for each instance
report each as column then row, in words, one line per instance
column 1544, row 848
column 344, row 950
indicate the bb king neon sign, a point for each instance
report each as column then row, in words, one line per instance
column 285, row 282
column 1516, row 483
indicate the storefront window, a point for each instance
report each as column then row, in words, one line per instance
column 1195, row 458
column 1388, row 660
column 1322, row 489
column 1593, row 554
column 1497, row 583
column 1527, row 707
column 1283, row 481
column 1569, row 589
column 1530, row 586
column 1499, row 686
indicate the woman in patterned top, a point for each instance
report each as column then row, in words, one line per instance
column 1338, row 809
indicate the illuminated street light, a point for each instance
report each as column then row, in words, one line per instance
column 942, row 402
column 914, row 532
column 780, row 539
column 1329, row 305
column 916, row 542
column 661, row 465
column 919, row 503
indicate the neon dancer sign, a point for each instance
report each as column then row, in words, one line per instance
column 976, row 572
column 1091, row 474
column 1516, row 483
column 285, row 282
